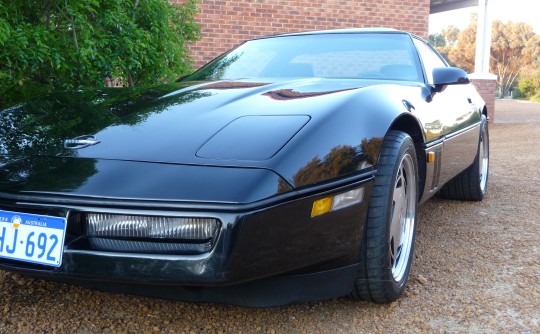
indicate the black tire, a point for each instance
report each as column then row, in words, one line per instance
column 382, row 273
column 471, row 184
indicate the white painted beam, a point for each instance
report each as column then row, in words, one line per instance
column 438, row 6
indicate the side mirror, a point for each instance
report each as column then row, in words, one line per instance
column 444, row 76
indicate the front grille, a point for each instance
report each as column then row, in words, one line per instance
column 149, row 247
column 149, row 234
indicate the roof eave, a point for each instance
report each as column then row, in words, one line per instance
column 437, row 6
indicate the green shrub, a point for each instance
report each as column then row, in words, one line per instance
column 50, row 45
column 535, row 97
column 527, row 87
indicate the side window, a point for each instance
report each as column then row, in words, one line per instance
column 429, row 58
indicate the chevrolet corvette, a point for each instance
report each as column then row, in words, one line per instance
column 288, row 169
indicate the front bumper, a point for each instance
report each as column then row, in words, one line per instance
column 269, row 245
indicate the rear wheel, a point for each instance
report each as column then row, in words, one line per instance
column 388, row 243
column 471, row 184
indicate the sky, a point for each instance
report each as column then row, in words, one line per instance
column 527, row 11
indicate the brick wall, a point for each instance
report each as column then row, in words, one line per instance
column 224, row 24
column 486, row 88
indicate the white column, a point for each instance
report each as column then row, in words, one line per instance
column 483, row 37
column 484, row 81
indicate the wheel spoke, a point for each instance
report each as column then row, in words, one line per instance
column 483, row 161
column 403, row 217
column 398, row 208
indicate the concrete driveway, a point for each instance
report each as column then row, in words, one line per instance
column 516, row 111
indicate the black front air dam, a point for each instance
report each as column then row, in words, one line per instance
column 267, row 292
column 265, row 246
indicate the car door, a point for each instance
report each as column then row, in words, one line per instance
column 456, row 121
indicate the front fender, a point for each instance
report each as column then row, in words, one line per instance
column 344, row 139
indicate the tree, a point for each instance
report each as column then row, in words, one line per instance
column 437, row 40
column 48, row 45
column 451, row 35
column 445, row 41
column 463, row 53
column 514, row 47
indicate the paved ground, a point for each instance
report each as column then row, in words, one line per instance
column 515, row 111
column 477, row 270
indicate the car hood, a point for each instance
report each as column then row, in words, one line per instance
column 288, row 128
column 189, row 123
column 132, row 181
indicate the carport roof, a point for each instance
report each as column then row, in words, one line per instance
column 437, row 6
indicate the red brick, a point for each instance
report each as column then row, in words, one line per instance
column 227, row 23
column 486, row 89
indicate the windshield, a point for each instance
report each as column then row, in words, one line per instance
column 355, row 56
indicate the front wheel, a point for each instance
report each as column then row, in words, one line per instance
column 387, row 247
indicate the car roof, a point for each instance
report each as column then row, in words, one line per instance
column 338, row 31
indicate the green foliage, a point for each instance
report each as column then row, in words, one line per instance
column 48, row 45
column 437, row 40
column 535, row 97
column 528, row 86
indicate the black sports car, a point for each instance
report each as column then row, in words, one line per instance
column 286, row 170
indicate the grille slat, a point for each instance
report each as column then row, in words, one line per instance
column 150, row 234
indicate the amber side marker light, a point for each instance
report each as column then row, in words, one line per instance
column 322, row 206
column 430, row 157
column 340, row 201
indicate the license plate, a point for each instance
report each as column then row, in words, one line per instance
column 32, row 238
